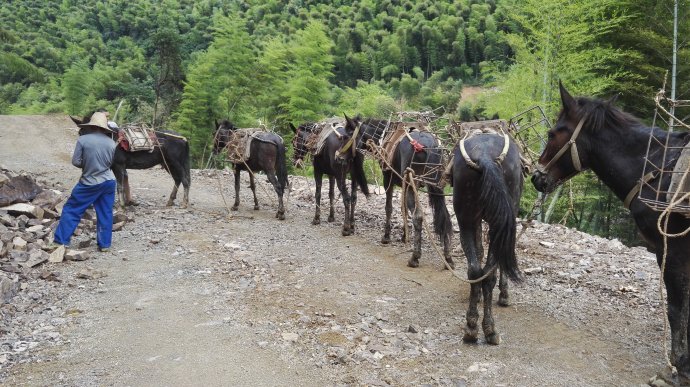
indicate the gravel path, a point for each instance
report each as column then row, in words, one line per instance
column 197, row 297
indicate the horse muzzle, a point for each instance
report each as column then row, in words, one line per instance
column 542, row 182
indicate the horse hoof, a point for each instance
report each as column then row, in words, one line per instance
column 413, row 262
column 234, row 208
column 503, row 301
column 346, row 231
column 168, row 204
column 331, row 219
column 256, row 208
column 470, row 337
column 280, row 216
column 493, row 339
column 385, row 240
column 316, row 221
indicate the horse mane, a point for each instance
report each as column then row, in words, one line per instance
column 602, row 114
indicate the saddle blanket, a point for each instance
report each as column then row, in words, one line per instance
column 324, row 130
column 396, row 131
column 239, row 144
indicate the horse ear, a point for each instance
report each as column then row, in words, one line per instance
column 76, row 120
column 495, row 116
column 613, row 99
column 294, row 130
column 569, row 103
column 348, row 120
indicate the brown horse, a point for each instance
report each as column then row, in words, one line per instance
column 487, row 184
column 594, row 134
column 421, row 153
column 267, row 154
column 171, row 152
column 336, row 165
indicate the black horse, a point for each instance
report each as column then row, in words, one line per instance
column 487, row 184
column 336, row 162
column 171, row 152
column 267, row 153
column 593, row 134
column 420, row 152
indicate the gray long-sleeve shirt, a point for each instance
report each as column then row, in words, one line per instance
column 94, row 155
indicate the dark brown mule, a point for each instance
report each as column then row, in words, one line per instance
column 593, row 134
column 425, row 158
column 331, row 162
column 171, row 152
column 267, row 154
column 487, row 184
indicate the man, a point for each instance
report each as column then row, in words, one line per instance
column 112, row 125
column 94, row 154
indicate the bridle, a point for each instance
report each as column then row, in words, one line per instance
column 575, row 157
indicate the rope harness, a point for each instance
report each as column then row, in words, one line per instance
column 499, row 159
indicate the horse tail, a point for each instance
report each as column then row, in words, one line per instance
column 359, row 175
column 437, row 201
column 281, row 167
column 498, row 212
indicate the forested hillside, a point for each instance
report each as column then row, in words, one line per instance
column 184, row 63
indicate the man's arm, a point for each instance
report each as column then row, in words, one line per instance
column 77, row 157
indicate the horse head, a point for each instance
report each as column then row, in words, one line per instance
column 221, row 136
column 300, row 142
column 562, row 158
column 359, row 127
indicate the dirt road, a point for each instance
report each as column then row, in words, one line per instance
column 194, row 297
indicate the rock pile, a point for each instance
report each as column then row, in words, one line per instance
column 29, row 214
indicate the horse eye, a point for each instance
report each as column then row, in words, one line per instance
column 551, row 135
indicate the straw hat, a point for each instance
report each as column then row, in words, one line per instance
column 98, row 120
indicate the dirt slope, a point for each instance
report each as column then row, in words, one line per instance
column 193, row 297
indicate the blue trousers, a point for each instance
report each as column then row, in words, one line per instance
column 102, row 196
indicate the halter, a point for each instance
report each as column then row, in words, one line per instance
column 348, row 144
column 499, row 159
column 573, row 150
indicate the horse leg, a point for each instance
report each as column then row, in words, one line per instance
column 503, row 296
column 417, row 218
column 119, row 177
column 276, row 186
column 128, row 191
column 318, row 179
column 468, row 240
column 678, row 308
column 173, row 195
column 389, row 208
column 353, row 203
column 237, row 190
column 447, row 245
column 252, row 185
column 492, row 337
column 342, row 187
column 331, row 198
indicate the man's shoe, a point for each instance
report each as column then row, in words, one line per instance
column 52, row 246
column 104, row 249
